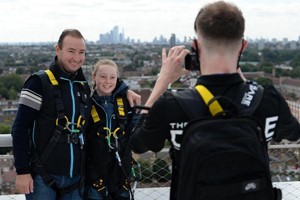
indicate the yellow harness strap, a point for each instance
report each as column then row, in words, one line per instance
column 206, row 95
column 120, row 104
column 51, row 77
column 94, row 113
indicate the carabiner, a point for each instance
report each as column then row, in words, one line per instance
column 66, row 122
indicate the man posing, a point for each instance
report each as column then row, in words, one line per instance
column 48, row 132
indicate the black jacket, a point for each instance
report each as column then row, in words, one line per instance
column 166, row 119
column 36, row 118
column 101, row 159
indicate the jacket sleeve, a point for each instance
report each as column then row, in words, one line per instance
column 29, row 106
column 136, row 140
column 151, row 129
column 288, row 126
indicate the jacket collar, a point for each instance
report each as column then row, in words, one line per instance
column 219, row 79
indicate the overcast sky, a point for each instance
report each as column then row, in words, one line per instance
column 44, row 20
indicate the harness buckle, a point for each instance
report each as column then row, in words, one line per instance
column 99, row 185
column 73, row 138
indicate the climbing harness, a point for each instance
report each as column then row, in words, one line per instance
column 112, row 139
column 62, row 123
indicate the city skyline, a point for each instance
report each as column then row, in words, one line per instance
column 43, row 21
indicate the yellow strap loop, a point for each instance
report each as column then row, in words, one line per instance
column 51, row 77
column 214, row 107
column 94, row 113
column 120, row 107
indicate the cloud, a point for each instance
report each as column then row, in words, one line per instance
column 36, row 20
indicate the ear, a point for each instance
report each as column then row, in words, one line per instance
column 57, row 49
column 245, row 44
column 93, row 80
column 196, row 45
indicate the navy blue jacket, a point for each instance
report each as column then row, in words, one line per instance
column 36, row 119
column 101, row 159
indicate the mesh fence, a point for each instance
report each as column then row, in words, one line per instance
column 155, row 171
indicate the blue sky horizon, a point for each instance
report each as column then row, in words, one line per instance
column 43, row 21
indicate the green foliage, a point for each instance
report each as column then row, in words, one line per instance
column 161, row 171
column 10, row 86
column 5, row 150
column 249, row 68
column 264, row 81
column 271, row 55
column 146, row 171
column 4, row 129
column 267, row 67
column 34, row 69
column 129, row 67
column 20, row 70
column 250, row 55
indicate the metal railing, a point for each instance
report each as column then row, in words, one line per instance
column 156, row 170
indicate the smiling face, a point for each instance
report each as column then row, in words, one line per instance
column 71, row 54
column 105, row 78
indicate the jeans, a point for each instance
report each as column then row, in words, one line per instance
column 43, row 192
column 95, row 195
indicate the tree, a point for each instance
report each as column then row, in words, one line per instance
column 5, row 129
column 264, row 81
column 20, row 70
column 267, row 67
column 10, row 86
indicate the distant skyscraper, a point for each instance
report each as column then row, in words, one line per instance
column 114, row 37
column 122, row 37
column 173, row 40
column 115, row 34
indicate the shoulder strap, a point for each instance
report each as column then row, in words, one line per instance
column 249, row 97
column 190, row 102
column 51, row 77
column 208, row 97
column 247, row 100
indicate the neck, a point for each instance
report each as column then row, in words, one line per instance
column 218, row 64
column 99, row 93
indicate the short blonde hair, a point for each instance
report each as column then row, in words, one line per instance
column 99, row 64
column 105, row 62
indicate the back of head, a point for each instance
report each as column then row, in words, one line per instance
column 220, row 23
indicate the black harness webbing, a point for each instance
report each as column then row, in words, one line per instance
column 61, row 125
column 99, row 183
